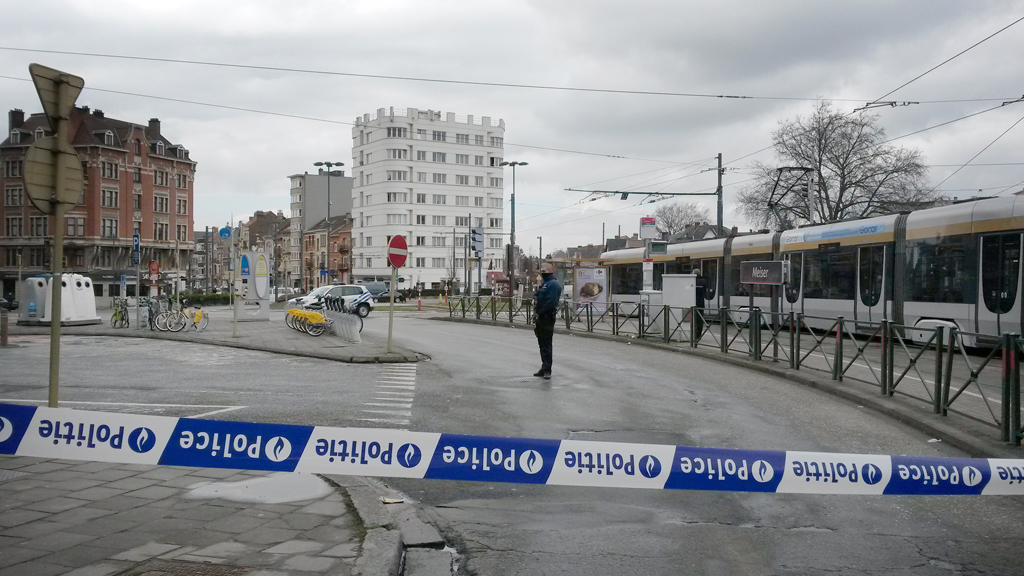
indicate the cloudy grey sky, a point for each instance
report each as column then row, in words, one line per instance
column 294, row 87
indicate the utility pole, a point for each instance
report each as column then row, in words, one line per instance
column 718, row 191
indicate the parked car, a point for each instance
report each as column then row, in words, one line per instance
column 375, row 287
column 357, row 297
column 8, row 304
column 386, row 297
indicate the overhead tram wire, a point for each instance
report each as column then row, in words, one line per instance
column 980, row 152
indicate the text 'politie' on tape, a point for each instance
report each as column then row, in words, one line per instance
column 161, row 440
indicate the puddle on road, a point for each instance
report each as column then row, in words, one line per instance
column 273, row 489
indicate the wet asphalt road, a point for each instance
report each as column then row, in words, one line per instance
column 478, row 382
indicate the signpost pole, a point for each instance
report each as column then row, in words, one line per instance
column 391, row 306
column 138, row 282
column 398, row 252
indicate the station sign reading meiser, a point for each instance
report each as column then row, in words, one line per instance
column 769, row 272
column 161, row 440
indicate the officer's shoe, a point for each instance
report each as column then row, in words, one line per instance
column 542, row 374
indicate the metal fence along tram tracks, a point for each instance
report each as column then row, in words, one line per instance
column 934, row 368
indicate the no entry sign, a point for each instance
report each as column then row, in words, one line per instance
column 398, row 251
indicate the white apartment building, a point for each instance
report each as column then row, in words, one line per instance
column 428, row 177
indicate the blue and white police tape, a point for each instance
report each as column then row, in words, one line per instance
column 161, row 440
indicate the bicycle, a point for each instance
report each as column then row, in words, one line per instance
column 119, row 319
column 199, row 318
column 162, row 319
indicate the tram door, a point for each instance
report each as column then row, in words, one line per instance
column 793, row 289
column 870, row 305
column 999, row 306
column 709, row 275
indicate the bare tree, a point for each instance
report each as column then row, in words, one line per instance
column 674, row 218
column 858, row 173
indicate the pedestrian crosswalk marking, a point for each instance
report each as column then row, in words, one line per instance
column 394, row 388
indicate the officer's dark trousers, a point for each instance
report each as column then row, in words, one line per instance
column 544, row 330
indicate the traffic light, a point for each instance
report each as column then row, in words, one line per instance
column 476, row 235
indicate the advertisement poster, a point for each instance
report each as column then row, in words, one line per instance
column 591, row 289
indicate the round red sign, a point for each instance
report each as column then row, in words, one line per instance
column 398, row 251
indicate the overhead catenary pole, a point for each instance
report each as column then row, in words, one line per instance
column 718, row 191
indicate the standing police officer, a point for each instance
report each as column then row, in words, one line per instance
column 545, row 311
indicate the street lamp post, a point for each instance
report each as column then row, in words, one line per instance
column 511, row 265
column 329, row 165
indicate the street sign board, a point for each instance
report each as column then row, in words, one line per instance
column 48, row 81
column 225, row 232
column 768, row 272
column 648, row 228
column 135, row 258
column 398, row 251
column 41, row 169
column 154, row 268
column 135, row 243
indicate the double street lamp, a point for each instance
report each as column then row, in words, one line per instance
column 512, row 237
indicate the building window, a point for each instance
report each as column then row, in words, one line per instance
column 108, row 138
column 479, row 221
column 496, row 182
column 37, row 226
column 421, row 240
column 460, row 263
column 12, row 168
column 137, row 147
column 437, row 220
column 478, row 200
column 108, row 169
column 497, row 141
column 462, row 158
column 438, row 198
column 401, row 197
column 137, row 201
column 460, row 241
column 495, row 222
column 108, row 198
column 421, row 219
column 478, row 160
column 421, row 198
column 462, row 221
column 108, row 227
column 421, row 134
column 462, row 200
column 160, row 178
column 75, row 226
column 397, row 154
column 13, row 226
column 15, row 137
column 182, row 233
column 160, row 148
column 368, row 241
column 396, row 132
column 462, row 138
column 396, row 175
column 182, row 206
column 369, row 262
column 137, row 175
column 439, row 157
column 36, row 257
column 368, row 221
column 137, row 228
column 496, row 161
column 180, row 152
column 398, row 218
column 495, row 242
column 496, row 202
column 462, row 180
column 421, row 155
column 369, row 179
column 478, row 139
column 440, row 179
column 438, row 241
column 160, row 231
column 14, row 196
column 439, row 136
column 182, row 180
column 369, row 157
column 421, row 262
column 161, row 204
column 421, row 176
column 437, row 262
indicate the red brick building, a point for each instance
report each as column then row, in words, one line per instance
column 136, row 181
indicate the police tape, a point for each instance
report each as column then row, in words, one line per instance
column 163, row 440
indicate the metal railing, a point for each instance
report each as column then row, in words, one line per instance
column 936, row 366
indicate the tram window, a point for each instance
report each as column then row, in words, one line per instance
column 830, row 274
column 795, row 269
column 739, row 289
column 942, row 269
column 709, row 273
column 1000, row 268
column 627, row 278
column 871, row 260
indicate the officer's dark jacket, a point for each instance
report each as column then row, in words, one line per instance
column 545, row 299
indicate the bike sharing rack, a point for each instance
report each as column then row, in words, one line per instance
column 254, row 286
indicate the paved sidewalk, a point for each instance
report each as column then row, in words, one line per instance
column 99, row 519
column 272, row 336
